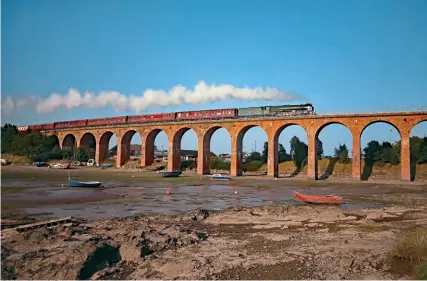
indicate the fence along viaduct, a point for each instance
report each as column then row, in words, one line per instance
column 273, row 126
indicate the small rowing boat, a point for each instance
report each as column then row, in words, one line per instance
column 105, row 165
column 318, row 199
column 219, row 177
column 73, row 183
column 170, row 174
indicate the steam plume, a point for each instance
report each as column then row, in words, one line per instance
column 178, row 95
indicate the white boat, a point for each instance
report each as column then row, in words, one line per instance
column 219, row 177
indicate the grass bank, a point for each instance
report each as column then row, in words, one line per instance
column 409, row 256
column 329, row 168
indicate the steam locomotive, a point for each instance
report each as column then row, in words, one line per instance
column 248, row 112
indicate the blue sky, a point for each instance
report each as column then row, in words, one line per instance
column 342, row 56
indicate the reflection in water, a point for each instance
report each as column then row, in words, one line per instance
column 180, row 200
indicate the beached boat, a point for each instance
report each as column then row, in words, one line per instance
column 60, row 166
column 105, row 165
column 219, row 177
column 170, row 174
column 318, row 199
column 73, row 183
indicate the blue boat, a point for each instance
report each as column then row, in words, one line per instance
column 170, row 174
column 73, row 183
column 219, row 177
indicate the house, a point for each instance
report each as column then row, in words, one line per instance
column 188, row 155
column 226, row 157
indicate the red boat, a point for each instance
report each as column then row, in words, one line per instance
column 318, row 199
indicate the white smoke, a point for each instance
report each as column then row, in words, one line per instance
column 178, row 95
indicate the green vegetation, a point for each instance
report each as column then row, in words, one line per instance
column 412, row 251
column 219, row 164
column 386, row 152
column 35, row 146
column 373, row 228
column 187, row 164
column 341, row 154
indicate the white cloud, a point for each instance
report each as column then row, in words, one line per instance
column 7, row 105
column 178, row 95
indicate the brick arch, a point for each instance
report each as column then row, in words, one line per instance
column 273, row 146
column 382, row 121
column 85, row 141
column 56, row 138
column 86, row 138
column 124, row 143
column 148, row 146
column 102, row 145
column 69, row 142
column 416, row 123
column 403, row 132
column 174, row 158
column 332, row 123
column 241, row 133
column 203, row 164
column 207, row 135
column 236, row 147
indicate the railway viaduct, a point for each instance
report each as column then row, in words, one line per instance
column 273, row 126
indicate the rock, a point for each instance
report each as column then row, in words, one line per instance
column 130, row 252
column 197, row 215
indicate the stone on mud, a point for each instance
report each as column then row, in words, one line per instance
column 196, row 215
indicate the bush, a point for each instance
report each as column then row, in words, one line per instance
column 81, row 154
column 219, row 164
column 55, row 153
column 252, row 165
column 186, row 164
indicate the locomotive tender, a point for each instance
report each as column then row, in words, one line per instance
column 227, row 113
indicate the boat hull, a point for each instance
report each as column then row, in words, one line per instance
column 171, row 174
column 315, row 199
column 220, row 178
column 73, row 183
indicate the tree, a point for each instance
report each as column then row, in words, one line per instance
column 341, row 153
column 252, row 165
column 81, row 154
column 319, row 148
column 254, row 156
column 423, row 152
column 300, row 154
column 8, row 132
column 293, row 142
column 283, row 156
column 55, row 153
column 265, row 153
column 370, row 150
